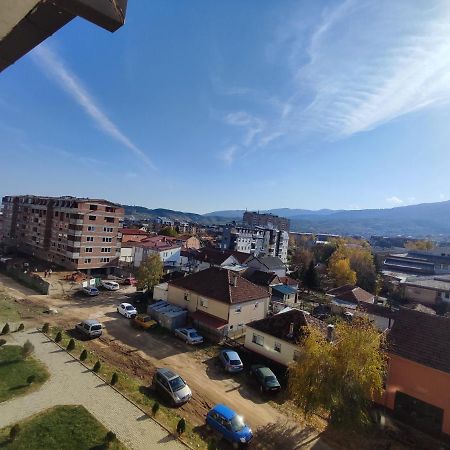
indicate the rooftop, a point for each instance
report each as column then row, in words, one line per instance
column 271, row 262
column 438, row 282
column 422, row 338
column 284, row 289
column 352, row 294
column 279, row 325
column 220, row 284
column 262, row 278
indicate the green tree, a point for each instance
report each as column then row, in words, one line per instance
column 31, row 379
column 168, row 231
column 27, row 349
column 181, row 426
column 110, row 437
column 71, row 345
column 46, row 328
column 14, row 431
column 114, row 379
column 21, row 327
column 6, row 329
column 58, row 337
column 150, row 272
column 342, row 376
column 83, row 355
column 2, row 342
column 155, row 408
column 340, row 271
column 97, row 366
column 425, row 244
column 310, row 277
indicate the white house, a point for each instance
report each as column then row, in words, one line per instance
column 279, row 337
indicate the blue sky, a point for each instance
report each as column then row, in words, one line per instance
column 201, row 106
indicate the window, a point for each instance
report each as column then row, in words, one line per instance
column 277, row 347
column 104, row 260
column 447, row 294
column 87, row 260
column 56, row 213
column 107, row 229
column 93, row 207
column 109, row 209
column 238, row 309
column 90, row 238
column 88, row 249
column 106, row 249
column 204, row 302
column 91, row 228
column 257, row 339
column 109, row 219
column 92, row 217
column 107, row 239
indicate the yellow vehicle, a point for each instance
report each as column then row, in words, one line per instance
column 143, row 321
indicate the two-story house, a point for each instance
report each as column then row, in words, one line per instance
column 219, row 300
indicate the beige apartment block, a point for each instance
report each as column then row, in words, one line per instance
column 75, row 233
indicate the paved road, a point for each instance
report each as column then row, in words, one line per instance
column 70, row 383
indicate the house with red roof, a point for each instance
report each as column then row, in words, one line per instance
column 219, row 301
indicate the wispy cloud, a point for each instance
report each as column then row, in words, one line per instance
column 394, row 200
column 358, row 65
column 54, row 67
column 229, row 154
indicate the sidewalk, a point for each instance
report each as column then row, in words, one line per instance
column 71, row 383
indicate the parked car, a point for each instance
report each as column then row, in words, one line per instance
column 189, row 335
column 172, row 386
column 231, row 361
column 110, row 285
column 90, row 328
column 144, row 321
column 230, row 425
column 266, row 379
column 127, row 310
column 91, row 291
column 130, row 281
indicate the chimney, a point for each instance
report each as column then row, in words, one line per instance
column 330, row 333
column 291, row 329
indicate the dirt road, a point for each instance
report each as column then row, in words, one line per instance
column 141, row 352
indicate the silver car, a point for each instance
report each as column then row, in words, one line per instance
column 189, row 335
column 172, row 386
column 90, row 328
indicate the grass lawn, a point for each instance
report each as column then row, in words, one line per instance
column 8, row 311
column 59, row 428
column 14, row 371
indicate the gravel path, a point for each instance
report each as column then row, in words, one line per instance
column 71, row 383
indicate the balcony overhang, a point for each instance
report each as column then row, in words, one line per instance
column 25, row 24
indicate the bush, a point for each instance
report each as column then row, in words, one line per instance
column 71, row 345
column 97, row 366
column 155, row 408
column 2, row 342
column 21, row 327
column 114, row 379
column 5, row 329
column 110, row 438
column 27, row 349
column 58, row 337
column 46, row 328
column 31, row 379
column 14, row 431
column 83, row 355
column 181, row 426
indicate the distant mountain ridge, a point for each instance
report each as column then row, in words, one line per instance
column 422, row 220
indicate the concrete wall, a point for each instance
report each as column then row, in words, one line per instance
column 424, row 383
column 267, row 348
column 420, row 295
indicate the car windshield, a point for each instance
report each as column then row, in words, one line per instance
column 129, row 307
column 237, row 423
column 270, row 379
column 96, row 327
column 235, row 362
column 177, row 383
column 194, row 335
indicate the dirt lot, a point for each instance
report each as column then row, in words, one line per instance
column 140, row 352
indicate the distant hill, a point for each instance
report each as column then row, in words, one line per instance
column 426, row 219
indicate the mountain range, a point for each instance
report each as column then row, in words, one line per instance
column 422, row 220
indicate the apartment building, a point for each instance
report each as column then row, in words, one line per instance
column 75, row 233
column 255, row 240
column 255, row 219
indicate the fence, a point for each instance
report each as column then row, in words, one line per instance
column 27, row 278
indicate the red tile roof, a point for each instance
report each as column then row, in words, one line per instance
column 158, row 243
column 422, row 338
column 352, row 294
column 219, row 284
column 208, row 320
column 133, row 231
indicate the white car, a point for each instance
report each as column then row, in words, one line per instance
column 189, row 335
column 110, row 285
column 127, row 310
column 91, row 290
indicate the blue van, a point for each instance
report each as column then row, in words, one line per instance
column 230, row 425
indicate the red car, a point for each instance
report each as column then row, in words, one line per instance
column 130, row 281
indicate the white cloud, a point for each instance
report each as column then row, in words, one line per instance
column 394, row 200
column 49, row 62
column 229, row 154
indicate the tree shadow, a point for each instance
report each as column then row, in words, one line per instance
column 166, row 439
column 19, row 386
